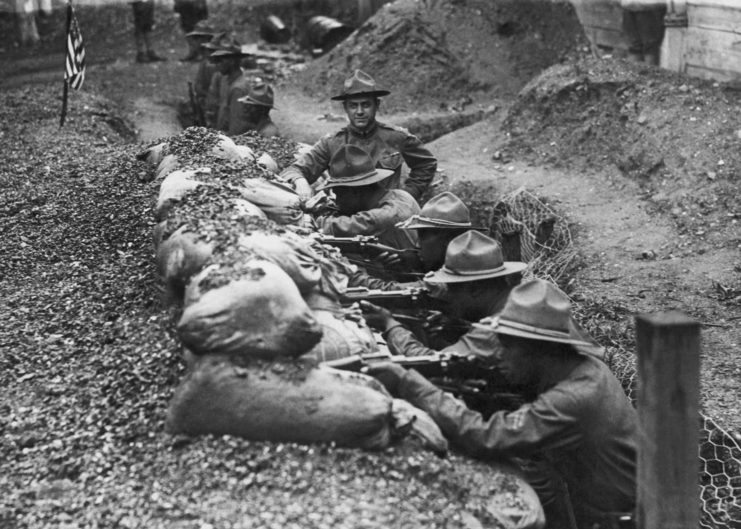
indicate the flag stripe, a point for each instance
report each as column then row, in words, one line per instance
column 74, row 64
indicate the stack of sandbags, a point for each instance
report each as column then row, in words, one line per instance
column 260, row 311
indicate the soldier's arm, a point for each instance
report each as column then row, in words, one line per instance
column 310, row 164
column 422, row 165
column 370, row 222
column 551, row 421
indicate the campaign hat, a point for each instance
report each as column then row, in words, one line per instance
column 442, row 211
column 359, row 84
column 538, row 310
column 351, row 166
column 260, row 94
column 473, row 256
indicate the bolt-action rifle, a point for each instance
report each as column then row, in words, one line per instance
column 198, row 116
column 477, row 381
column 406, row 298
column 369, row 247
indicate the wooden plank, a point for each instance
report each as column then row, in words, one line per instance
column 668, row 408
column 712, row 50
column 715, row 18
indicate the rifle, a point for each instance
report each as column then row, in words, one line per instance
column 198, row 117
column 407, row 298
column 475, row 380
column 368, row 245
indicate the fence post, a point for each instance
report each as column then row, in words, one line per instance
column 668, row 408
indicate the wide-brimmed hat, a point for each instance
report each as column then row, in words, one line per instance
column 230, row 49
column 538, row 310
column 260, row 94
column 359, row 84
column 201, row 29
column 442, row 211
column 218, row 40
column 472, row 256
column 352, row 166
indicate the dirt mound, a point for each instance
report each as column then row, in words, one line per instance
column 678, row 136
column 450, row 53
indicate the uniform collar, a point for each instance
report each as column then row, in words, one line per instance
column 366, row 132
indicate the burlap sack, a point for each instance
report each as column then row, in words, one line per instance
column 255, row 312
column 287, row 402
column 180, row 257
column 290, row 252
column 279, row 202
column 174, row 187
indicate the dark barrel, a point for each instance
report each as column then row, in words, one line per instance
column 274, row 31
column 325, row 33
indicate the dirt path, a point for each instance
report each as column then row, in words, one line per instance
column 613, row 227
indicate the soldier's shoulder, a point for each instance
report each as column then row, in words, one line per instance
column 394, row 129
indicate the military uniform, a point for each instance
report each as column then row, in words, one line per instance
column 389, row 147
column 394, row 206
column 230, row 118
column 202, row 82
column 584, row 426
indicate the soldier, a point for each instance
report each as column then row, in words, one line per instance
column 143, row 24
column 213, row 88
column 256, row 110
column 191, row 13
column 365, row 205
column 478, row 282
column 388, row 146
column 580, row 422
column 233, row 85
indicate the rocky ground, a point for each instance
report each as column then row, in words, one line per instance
column 644, row 165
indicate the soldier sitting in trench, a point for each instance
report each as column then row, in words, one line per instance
column 364, row 205
column 256, row 107
column 578, row 430
column 388, row 146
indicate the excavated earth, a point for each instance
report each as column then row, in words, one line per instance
column 644, row 166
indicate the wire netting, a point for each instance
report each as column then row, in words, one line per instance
column 530, row 231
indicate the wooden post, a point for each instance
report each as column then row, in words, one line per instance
column 673, row 45
column 668, row 402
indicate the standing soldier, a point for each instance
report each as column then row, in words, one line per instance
column 256, row 106
column 191, row 12
column 233, row 85
column 143, row 24
column 388, row 146
column 201, row 35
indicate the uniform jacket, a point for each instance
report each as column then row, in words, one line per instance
column 388, row 146
column 211, row 107
column 231, row 118
column 584, row 426
column 202, row 81
column 394, row 206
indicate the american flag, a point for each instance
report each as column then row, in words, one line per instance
column 74, row 64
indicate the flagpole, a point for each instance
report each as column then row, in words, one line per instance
column 65, row 91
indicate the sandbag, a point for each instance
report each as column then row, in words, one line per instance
column 254, row 309
column 245, row 153
column 342, row 335
column 179, row 257
column 291, row 253
column 168, row 164
column 268, row 162
column 174, row 187
column 279, row 202
column 287, row 402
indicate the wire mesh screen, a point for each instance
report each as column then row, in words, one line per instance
column 530, row 231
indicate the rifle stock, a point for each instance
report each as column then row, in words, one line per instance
column 479, row 383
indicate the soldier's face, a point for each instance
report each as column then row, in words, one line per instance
column 432, row 247
column 350, row 200
column 361, row 111
column 516, row 360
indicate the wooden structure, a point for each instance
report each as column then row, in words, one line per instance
column 668, row 408
column 703, row 37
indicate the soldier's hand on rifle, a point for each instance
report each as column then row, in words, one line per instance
column 389, row 259
column 388, row 373
column 377, row 317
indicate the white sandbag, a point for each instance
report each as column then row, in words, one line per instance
column 167, row 165
column 279, row 202
column 180, row 257
column 255, row 310
column 175, row 186
column 245, row 153
column 268, row 162
column 342, row 336
column 226, row 149
column 290, row 252
column 152, row 155
column 158, row 234
column 285, row 402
